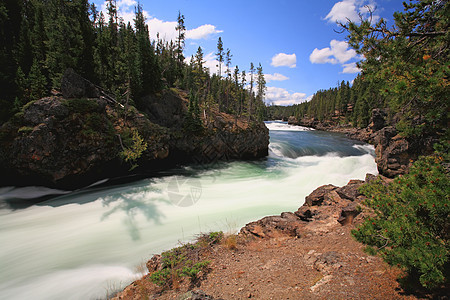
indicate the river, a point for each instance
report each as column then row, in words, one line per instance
column 87, row 243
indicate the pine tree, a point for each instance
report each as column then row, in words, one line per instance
column 220, row 55
column 148, row 65
column 251, row 97
column 37, row 81
column 181, row 30
column 261, row 92
column 199, row 76
column 10, row 20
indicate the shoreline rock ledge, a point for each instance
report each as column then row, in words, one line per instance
column 326, row 206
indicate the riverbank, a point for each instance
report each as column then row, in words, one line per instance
column 307, row 254
column 80, row 136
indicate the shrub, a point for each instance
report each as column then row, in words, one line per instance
column 136, row 149
column 176, row 263
column 82, row 105
column 24, row 130
column 411, row 225
column 161, row 277
column 192, row 271
column 230, row 242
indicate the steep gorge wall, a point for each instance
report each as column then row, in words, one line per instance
column 71, row 143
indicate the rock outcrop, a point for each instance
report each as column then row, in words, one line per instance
column 326, row 206
column 71, row 143
column 75, row 86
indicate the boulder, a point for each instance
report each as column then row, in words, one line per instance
column 195, row 295
column 287, row 224
column 318, row 195
column 377, row 120
column 328, row 261
column 393, row 155
column 348, row 213
column 75, row 86
column 350, row 190
column 44, row 110
column 154, row 264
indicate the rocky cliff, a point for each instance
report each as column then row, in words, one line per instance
column 70, row 140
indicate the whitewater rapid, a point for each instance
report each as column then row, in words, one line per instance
column 86, row 244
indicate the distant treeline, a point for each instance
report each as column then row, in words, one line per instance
column 405, row 71
column 341, row 104
column 40, row 39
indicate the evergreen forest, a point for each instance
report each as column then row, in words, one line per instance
column 405, row 71
column 40, row 39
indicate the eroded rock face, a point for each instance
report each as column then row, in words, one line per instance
column 53, row 143
column 44, row 111
column 167, row 110
column 75, row 86
column 325, row 207
column 72, row 143
column 317, row 197
column 377, row 120
column 393, row 153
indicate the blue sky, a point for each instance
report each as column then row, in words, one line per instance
column 294, row 40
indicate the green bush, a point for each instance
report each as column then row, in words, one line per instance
column 215, row 236
column 24, row 130
column 161, row 277
column 192, row 271
column 82, row 105
column 134, row 151
column 411, row 225
column 179, row 262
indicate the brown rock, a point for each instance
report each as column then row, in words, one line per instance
column 318, row 195
column 75, row 86
column 393, row 153
column 155, row 263
column 350, row 191
column 348, row 213
column 287, row 224
column 377, row 120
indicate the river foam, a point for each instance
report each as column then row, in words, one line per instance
column 86, row 243
column 282, row 126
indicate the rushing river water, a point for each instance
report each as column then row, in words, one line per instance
column 83, row 244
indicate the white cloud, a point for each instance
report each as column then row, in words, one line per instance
column 322, row 56
column 338, row 52
column 350, row 9
column 280, row 96
column 284, row 60
column 342, row 11
column 166, row 29
column 202, row 32
column 350, row 68
column 211, row 63
column 275, row 77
